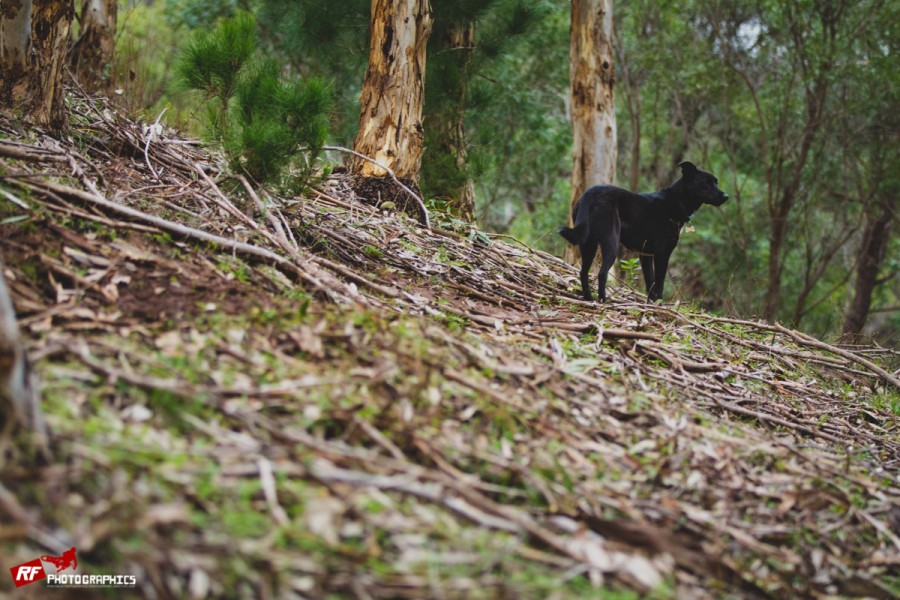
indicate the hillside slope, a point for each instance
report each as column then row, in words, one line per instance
column 252, row 397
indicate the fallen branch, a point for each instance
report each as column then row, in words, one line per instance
column 154, row 220
column 601, row 331
column 29, row 153
column 806, row 340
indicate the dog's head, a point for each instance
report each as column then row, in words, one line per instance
column 702, row 185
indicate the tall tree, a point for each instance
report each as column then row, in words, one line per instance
column 452, row 46
column 390, row 124
column 455, row 100
column 92, row 52
column 33, row 45
column 324, row 36
column 871, row 256
column 813, row 39
column 592, row 79
column 876, row 146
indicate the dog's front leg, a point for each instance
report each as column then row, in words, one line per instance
column 647, row 269
column 660, row 266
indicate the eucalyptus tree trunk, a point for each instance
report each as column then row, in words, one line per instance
column 50, row 25
column 15, row 49
column 33, row 45
column 92, row 52
column 390, row 124
column 591, row 81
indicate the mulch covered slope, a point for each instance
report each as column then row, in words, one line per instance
column 252, row 396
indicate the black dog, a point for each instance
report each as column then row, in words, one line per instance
column 649, row 224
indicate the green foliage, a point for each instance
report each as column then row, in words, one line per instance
column 267, row 125
column 142, row 66
column 543, row 213
column 196, row 14
column 736, row 87
column 328, row 38
column 455, row 97
column 630, row 269
column 525, row 134
column 499, row 87
column 213, row 60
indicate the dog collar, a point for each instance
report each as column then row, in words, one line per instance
column 686, row 216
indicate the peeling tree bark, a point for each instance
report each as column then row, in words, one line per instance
column 34, row 38
column 50, row 25
column 390, row 124
column 591, row 80
column 15, row 49
column 93, row 51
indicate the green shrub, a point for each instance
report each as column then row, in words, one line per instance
column 270, row 127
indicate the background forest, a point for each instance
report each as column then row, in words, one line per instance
column 792, row 104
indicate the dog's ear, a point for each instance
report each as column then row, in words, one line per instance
column 688, row 169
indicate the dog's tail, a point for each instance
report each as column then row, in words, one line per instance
column 578, row 234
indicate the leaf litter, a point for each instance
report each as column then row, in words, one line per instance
column 254, row 396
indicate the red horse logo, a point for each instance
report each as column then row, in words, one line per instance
column 63, row 562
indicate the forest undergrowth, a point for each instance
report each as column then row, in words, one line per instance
column 256, row 396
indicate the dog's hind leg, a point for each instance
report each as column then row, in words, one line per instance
column 588, row 252
column 609, row 246
column 647, row 268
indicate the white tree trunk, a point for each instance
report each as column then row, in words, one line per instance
column 591, row 79
column 34, row 38
column 51, row 22
column 390, row 125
